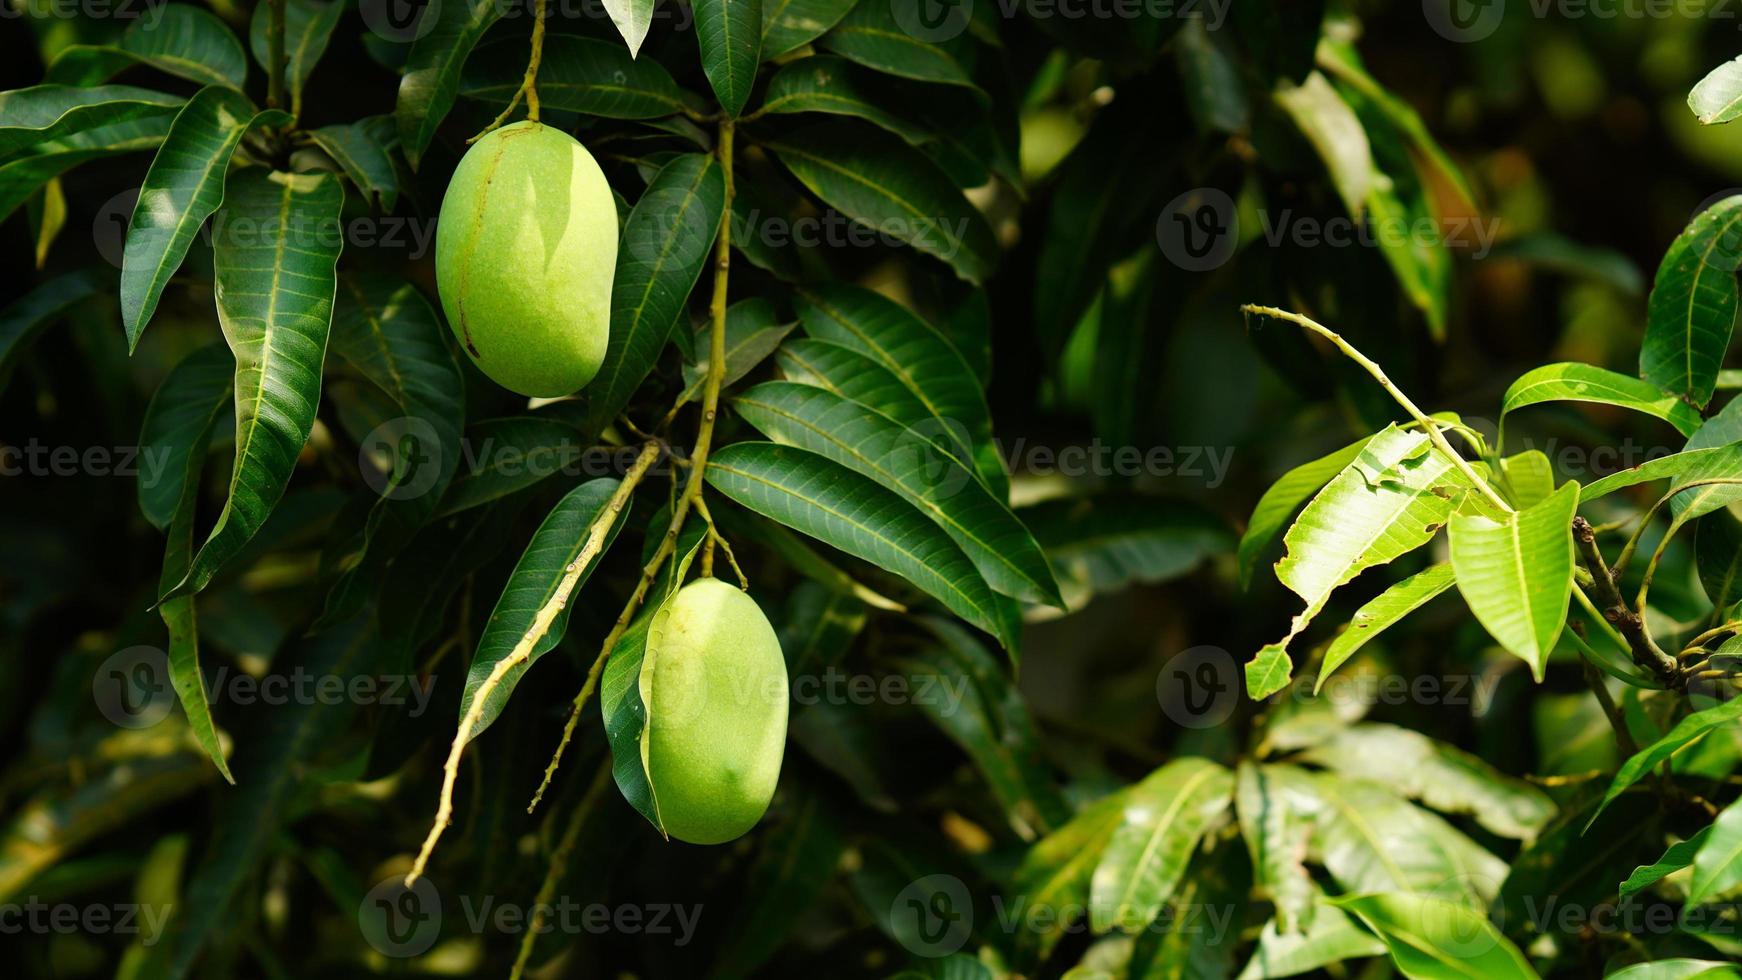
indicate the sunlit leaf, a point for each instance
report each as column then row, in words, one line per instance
column 432, row 70
column 1163, row 818
column 1517, row 573
column 1693, row 304
column 1382, row 612
column 1432, row 939
column 1576, row 382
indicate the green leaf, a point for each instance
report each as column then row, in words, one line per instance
column 1432, row 939
column 1213, row 87
column 1442, row 776
column 1517, row 573
column 388, row 333
column 1677, row 969
column 1372, row 840
column 30, row 314
column 1718, row 558
column 1718, row 864
column 44, row 113
column 1679, row 855
column 1687, row 466
column 730, row 35
column 883, row 183
column 1336, row 133
column 275, row 250
column 788, row 25
column 508, row 455
column 1718, row 97
column 833, row 504
column 180, row 39
column 1574, row 382
column 1103, row 543
column 177, row 431
column 547, row 561
column 432, row 69
column 1693, row 304
column 1529, row 477
column 632, row 19
column 1332, row 938
column 1164, row 817
column 1277, row 830
column 665, row 244
column 752, row 334
column 870, row 35
column 184, row 185
column 1269, row 670
column 1391, row 500
column 1281, row 499
column 1688, row 731
column 308, row 26
column 828, row 84
column 934, row 391
column 1382, row 612
column 1339, row 57
column 359, row 148
column 902, row 460
column 1056, row 873
column 959, row 686
column 576, row 74
column 21, row 178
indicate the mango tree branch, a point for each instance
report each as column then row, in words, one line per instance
column 529, row 82
column 692, row 491
column 592, row 545
column 1428, row 424
column 559, row 866
column 1616, row 611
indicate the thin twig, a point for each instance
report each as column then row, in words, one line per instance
column 1617, row 613
column 1617, row 720
column 591, row 546
column 1429, row 425
column 528, row 83
column 692, row 490
column 559, row 863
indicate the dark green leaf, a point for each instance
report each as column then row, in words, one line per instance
column 883, row 183
column 666, row 242
column 788, row 25
column 833, row 504
column 181, row 39
column 871, row 35
column 1102, row 543
column 308, row 26
column 576, row 74
column 899, row 459
column 1679, row 855
column 1688, row 731
column 21, row 178
column 358, row 148
column 28, row 315
column 1693, row 304
column 432, row 69
column 183, row 187
column 506, row 455
column 44, row 113
column 730, row 35
column 275, row 249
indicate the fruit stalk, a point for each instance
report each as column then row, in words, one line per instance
column 528, row 83
column 594, row 543
column 698, row 458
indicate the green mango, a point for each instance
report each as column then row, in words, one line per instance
column 714, row 683
column 526, row 248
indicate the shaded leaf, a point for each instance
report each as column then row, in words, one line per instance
column 1718, row 862
column 788, row 25
column 506, row 455
column 1382, row 612
column 308, row 26
column 1687, row 732
column 576, row 74
column 179, row 39
column 1164, row 817
column 1679, row 855
column 1693, row 304
column 359, row 150
column 1102, row 543
column 871, row 35
column 432, row 68
column 883, row 183
column 21, row 178
column 730, row 35
column 44, row 113
column 25, row 317
column 184, row 185
column 833, row 504
column 275, row 286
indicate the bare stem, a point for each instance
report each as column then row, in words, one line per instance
column 559, row 863
column 275, row 53
column 528, row 83
column 1616, row 611
column 692, row 491
column 1429, row 425
column 591, row 546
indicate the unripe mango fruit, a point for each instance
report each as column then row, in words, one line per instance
column 526, row 247
column 714, row 683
